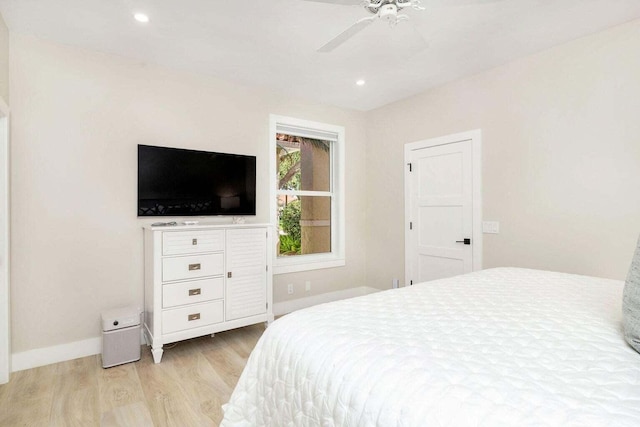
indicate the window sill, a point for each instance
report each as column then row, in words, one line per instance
column 284, row 266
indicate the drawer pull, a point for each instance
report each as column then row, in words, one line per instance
column 195, row 316
column 194, row 292
column 194, row 267
column 194, row 242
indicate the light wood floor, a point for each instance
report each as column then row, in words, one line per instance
column 187, row 389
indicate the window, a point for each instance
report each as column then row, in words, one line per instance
column 307, row 173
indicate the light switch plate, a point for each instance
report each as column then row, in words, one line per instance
column 491, row 227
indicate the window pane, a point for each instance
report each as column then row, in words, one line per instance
column 303, row 163
column 304, row 225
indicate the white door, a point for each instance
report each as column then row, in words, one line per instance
column 442, row 238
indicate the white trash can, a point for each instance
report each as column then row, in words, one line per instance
column 120, row 336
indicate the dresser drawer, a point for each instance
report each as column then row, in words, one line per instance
column 191, row 242
column 192, row 316
column 191, row 267
column 182, row 293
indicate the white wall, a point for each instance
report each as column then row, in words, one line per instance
column 5, row 340
column 4, row 61
column 77, row 118
column 561, row 156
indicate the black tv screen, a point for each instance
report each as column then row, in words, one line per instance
column 179, row 182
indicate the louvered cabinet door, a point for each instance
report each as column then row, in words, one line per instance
column 246, row 282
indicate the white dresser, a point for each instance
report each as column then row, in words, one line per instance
column 203, row 279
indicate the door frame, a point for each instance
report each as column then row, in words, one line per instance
column 5, row 300
column 475, row 136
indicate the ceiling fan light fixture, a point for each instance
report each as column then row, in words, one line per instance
column 384, row 10
column 388, row 10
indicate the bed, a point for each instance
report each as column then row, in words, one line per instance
column 499, row 347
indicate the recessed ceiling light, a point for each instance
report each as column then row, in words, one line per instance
column 141, row 17
column 360, row 82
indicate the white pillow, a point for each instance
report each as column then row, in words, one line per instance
column 631, row 303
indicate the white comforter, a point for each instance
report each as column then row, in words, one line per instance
column 500, row 347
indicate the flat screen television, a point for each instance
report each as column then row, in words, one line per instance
column 179, row 182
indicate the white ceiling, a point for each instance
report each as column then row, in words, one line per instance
column 272, row 43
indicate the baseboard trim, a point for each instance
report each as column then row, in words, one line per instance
column 74, row 350
column 285, row 307
column 54, row 354
column 58, row 353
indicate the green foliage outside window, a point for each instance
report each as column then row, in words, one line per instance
column 290, row 242
column 289, row 246
column 289, row 171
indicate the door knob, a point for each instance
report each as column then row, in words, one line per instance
column 465, row 241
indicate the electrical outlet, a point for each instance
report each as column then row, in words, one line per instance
column 491, row 227
column 307, row 286
column 290, row 288
column 395, row 283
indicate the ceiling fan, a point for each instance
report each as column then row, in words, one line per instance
column 387, row 10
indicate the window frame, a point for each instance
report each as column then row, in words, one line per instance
column 316, row 130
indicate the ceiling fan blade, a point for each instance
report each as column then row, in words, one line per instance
column 347, row 34
column 343, row 2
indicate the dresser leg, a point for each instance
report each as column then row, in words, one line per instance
column 157, row 351
column 213, row 335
